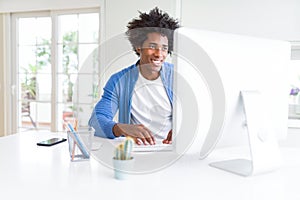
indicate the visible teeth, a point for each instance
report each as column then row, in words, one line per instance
column 156, row 61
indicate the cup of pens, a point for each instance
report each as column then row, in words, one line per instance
column 123, row 162
column 80, row 141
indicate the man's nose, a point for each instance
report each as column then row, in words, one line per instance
column 158, row 52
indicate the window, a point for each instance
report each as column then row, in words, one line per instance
column 56, row 62
column 294, row 78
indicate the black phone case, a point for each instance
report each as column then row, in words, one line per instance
column 42, row 143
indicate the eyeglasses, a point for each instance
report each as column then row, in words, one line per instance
column 154, row 46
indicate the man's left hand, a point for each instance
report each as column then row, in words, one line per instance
column 168, row 140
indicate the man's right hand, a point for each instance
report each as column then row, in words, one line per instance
column 137, row 131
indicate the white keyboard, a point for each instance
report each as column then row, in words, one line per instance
column 159, row 146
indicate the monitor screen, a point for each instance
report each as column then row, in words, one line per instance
column 212, row 69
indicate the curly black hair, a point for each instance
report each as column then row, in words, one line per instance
column 156, row 21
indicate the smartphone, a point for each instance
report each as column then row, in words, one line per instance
column 51, row 141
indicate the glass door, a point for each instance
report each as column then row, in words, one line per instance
column 54, row 51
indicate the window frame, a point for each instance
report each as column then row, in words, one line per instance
column 53, row 14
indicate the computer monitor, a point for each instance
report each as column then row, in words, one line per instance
column 231, row 86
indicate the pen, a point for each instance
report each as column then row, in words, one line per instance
column 76, row 125
column 78, row 141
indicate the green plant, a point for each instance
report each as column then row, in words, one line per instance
column 74, row 108
column 29, row 84
column 123, row 150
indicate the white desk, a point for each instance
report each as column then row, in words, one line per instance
column 28, row 171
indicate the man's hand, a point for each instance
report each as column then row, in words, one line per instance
column 137, row 131
column 168, row 140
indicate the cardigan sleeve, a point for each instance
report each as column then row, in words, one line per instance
column 102, row 116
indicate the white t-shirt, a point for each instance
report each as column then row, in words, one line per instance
column 151, row 106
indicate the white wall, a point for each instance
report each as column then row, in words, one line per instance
column 119, row 13
column 277, row 19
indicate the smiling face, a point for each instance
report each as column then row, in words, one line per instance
column 153, row 53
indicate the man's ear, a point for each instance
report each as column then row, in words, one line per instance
column 138, row 49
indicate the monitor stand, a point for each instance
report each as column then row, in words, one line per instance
column 264, row 150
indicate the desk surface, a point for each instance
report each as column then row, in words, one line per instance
column 29, row 171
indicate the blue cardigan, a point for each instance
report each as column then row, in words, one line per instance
column 117, row 96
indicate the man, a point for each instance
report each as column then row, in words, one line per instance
column 142, row 93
